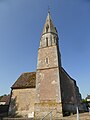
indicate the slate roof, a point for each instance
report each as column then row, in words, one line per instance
column 26, row 80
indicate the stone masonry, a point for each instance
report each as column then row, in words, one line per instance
column 23, row 102
column 48, row 90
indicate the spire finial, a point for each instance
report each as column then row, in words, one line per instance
column 48, row 9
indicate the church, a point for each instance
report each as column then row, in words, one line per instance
column 48, row 90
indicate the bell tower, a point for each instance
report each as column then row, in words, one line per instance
column 48, row 90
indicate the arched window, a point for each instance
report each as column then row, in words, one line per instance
column 51, row 39
column 46, row 41
column 54, row 39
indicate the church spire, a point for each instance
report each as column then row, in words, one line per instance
column 49, row 35
column 49, row 26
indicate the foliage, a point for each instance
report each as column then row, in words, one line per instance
column 87, row 103
column 84, row 101
column 1, row 97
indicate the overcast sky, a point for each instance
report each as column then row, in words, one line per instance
column 21, row 25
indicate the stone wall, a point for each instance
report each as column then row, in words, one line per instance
column 47, row 57
column 48, row 94
column 71, row 97
column 22, row 102
column 48, row 85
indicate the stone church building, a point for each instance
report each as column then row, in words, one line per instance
column 50, row 88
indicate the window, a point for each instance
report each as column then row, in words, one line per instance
column 47, row 27
column 54, row 39
column 46, row 41
column 51, row 40
column 46, row 60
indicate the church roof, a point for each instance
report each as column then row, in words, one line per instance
column 6, row 99
column 49, row 25
column 26, row 80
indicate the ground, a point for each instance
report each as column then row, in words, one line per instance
column 82, row 116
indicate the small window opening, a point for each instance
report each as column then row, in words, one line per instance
column 51, row 40
column 47, row 60
column 47, row 27
column 46, row 41
column 54, row 39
